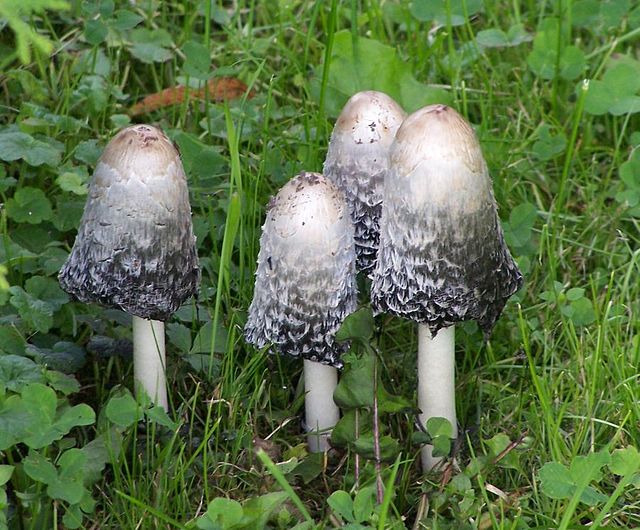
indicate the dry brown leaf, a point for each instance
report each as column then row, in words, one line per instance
column 219, row 89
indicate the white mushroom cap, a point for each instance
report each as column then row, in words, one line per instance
column 305, row 280
column 357, row 162
column 442, row 255
column 135, row 248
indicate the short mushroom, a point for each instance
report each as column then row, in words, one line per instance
column 305, row 287
column 357, row 162
column 135, row 249
column 442, row 257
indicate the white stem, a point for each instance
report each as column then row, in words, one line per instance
column 321, row 412
column 149, row 360
column 436, row 382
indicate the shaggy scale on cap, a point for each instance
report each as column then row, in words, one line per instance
column 442, row 255
column 305, row 279
column 135, row 248
column 357, row 162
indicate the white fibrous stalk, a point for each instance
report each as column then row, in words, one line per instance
column 442, row 257
column 357, row 162
column 305, row 287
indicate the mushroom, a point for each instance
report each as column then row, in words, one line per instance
column 442, row 257
column 135, row 249
column 305, row 287
column 357, row 162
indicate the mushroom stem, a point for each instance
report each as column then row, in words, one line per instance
column 149, row 360
column 436, row 383
column 321, row 412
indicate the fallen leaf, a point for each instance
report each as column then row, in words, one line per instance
column 219, row 89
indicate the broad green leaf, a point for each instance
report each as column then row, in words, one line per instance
column 46, row 289
column 35, row 152
column 439, row 427
column 496, row 38
column 392, row 403
column 460, row 483
column 75, row 416
column 73, row 183
column 68, row 213
column 72, row 517
column 518, row 231
column 179, row 335
column 151, row 46
column 342, row 504
column 99, row 452
column 544, row 60
column 63, row 383
column 159, row 415
column 17, row 372
column 582, row 312
column 5, row 473
column 549, row 145
column 310, row 467
column 45, row 427
column 371, row 65
column 40, row 468
column 497, row 445
column 440, row 430
column 223, row 513
column 36, row 314
column 598, row 16
column 125, row 20
column 197, row 62
column 389, row 447
column 355, row 388
column 29, row 205
column 88, row 151
column 445, row 12
column 492, row 38
column 558, row 482
column 95, row 31
column 66, row 357
column 357, row 326
column 363, row 504
column 123, row 410
column 625, row 461
column 70, row 491
column 616, row 92
column 344, row 433
column 206, row 340
column 15, row 421
column 257, row 511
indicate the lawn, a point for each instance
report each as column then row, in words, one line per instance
column 249, row 91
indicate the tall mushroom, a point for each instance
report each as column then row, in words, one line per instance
column 442, row 255
column 357, row 162
column 135, row 249
column 305, row 287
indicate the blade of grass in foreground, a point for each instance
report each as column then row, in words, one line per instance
column 286, row 487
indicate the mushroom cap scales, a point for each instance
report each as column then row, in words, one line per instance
column 357, row 162
column 305, row 279
column 442, row 255
column 135, row 249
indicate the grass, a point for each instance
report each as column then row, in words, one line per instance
column 560, row 373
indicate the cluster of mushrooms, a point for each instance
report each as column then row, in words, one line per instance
column 406, row 200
